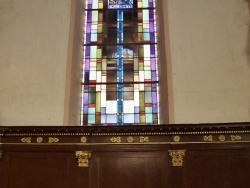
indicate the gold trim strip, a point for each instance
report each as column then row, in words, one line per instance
column 145, row 143
column 129, row 134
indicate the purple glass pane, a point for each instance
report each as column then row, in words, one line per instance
column 86, row 87
column 87, row 64
column 152, row 39
column 154, row 78
column 88, row 37
column 151, row 4
column 153, row 64
column 88, row 30
column 154, row 97
column 151, row 15
column 85, row 98
column 86, row 77
column 87, row 52
column 89, row 6
column 152, row 49
column 154, row 85
column 89, row 16
column 85, row 110
column 155, row 108
column 90, row 2
column 151, row 27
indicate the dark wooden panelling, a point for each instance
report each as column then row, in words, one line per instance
column 217, row 156
column 218, row 168
column 37, row 169
column 129, row 169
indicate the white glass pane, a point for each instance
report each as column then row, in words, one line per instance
column 129, row 118
column 128, row 106
column 111, row 107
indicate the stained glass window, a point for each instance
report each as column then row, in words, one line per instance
column 120, row 76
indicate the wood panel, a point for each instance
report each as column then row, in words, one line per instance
column 207, row 155
column 129, row 169
column 37, row 169
column 218, row 168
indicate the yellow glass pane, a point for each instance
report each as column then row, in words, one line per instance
column 99, row 28
column 100, row 5
column 98, row 102
column 139, row 4
column 142, row 102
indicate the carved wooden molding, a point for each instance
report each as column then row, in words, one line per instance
column 83, row 158
column 1, row 154
column 177, row 157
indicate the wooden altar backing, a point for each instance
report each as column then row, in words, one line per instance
column 157, row 156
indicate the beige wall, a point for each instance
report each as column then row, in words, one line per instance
column 33, row 58
column 210, row 67
column 206, row 45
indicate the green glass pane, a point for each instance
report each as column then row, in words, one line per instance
column 91, row 111
column 148, row 110
column 146, row 50
column 148, row 97
column 147, row 75
column 93, row 50
column 94, row 17
column 145, row 3
column 149, row 118
column 93, row 37
column 95, row 4
column 91, row 119
column 145, row 17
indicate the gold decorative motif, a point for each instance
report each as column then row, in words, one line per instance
column 130, row 139
column 235, row 137
column 26, row 140
column 83, row 158
column 208, row 138
column 222, row 138
column 116, row 139
column 83, row 139
column 177, row 157
column 39, row 139
column 53, row 140
column 144, row 139
column 176, row 138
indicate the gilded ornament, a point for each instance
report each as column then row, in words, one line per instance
column 53, row 140
column 39, row 139
column 208, row 138
column 144, row 139
column 177, row 157
column 235, row 137
column 116, row 139
column 130, row 139
column 83, row 158
column 26, row 139
column 83, row 139
column 176, row 138
column 222, row 138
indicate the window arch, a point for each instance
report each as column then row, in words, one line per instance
column 120, row 63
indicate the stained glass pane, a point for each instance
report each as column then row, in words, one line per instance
column 120, row 76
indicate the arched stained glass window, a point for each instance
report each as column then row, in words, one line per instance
column 120, row 76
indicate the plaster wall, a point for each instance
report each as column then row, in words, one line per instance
column 210, row 66
column 33, row 58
